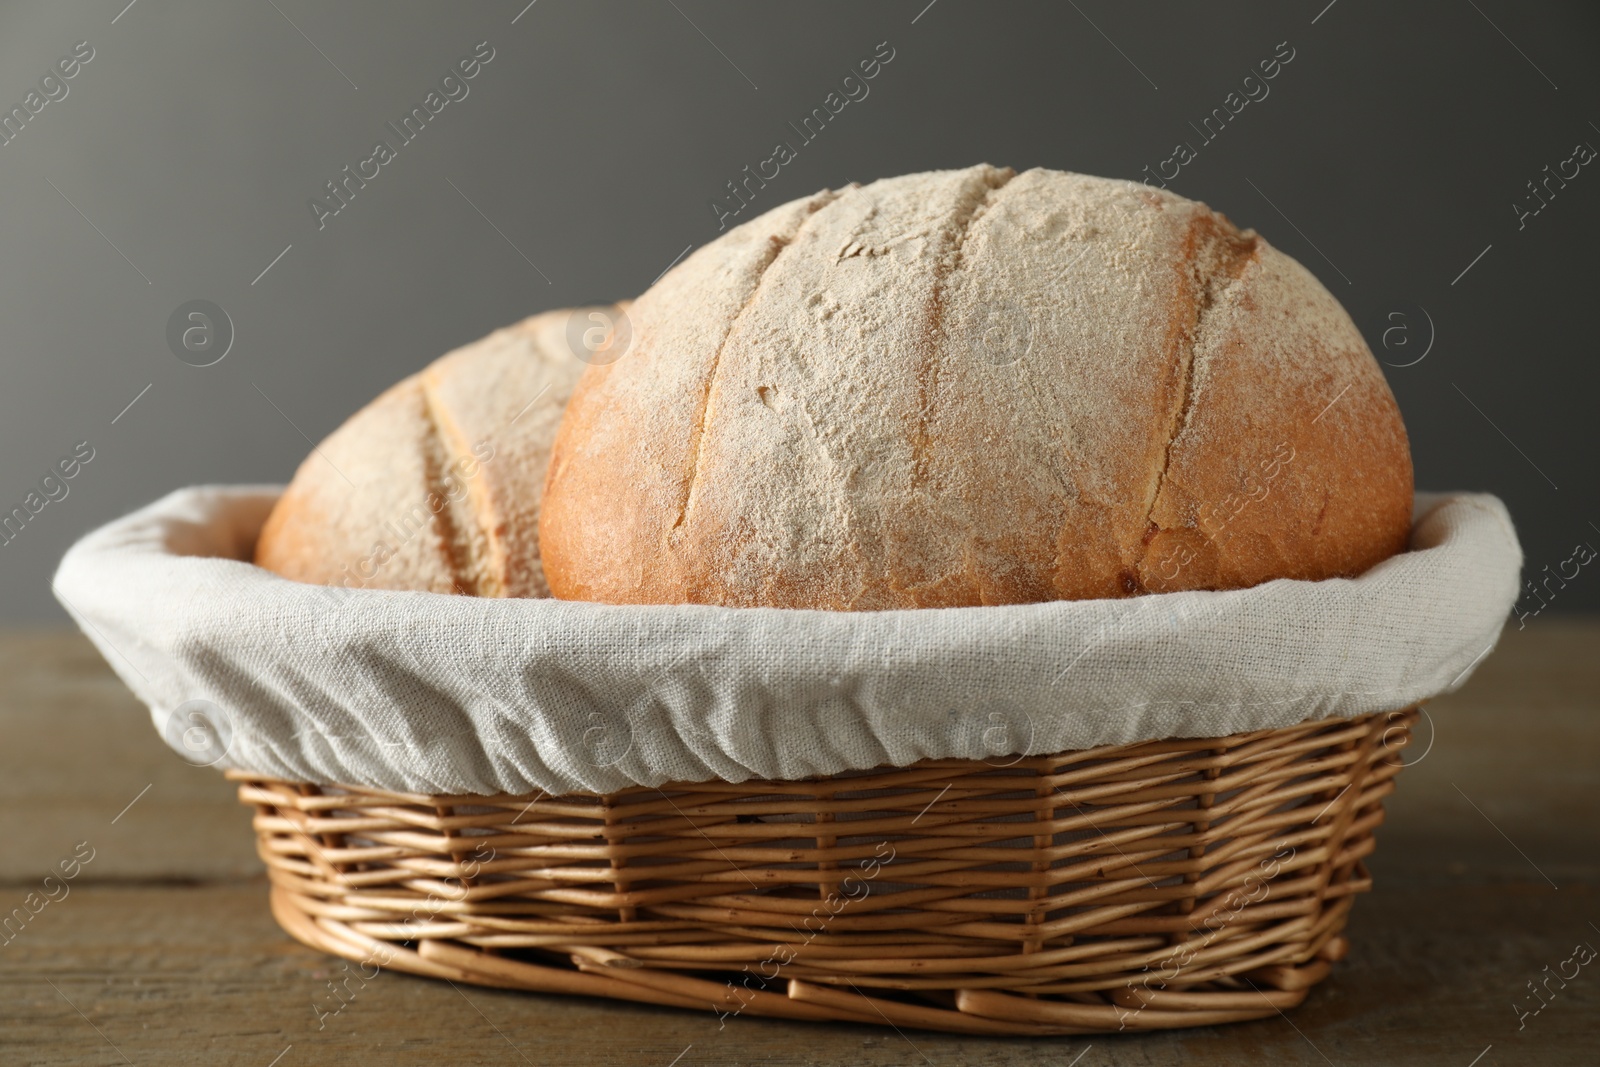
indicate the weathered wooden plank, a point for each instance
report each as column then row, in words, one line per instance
column 180, row 975
column 75, row 749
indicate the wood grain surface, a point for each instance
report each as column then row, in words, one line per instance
column 161, row 950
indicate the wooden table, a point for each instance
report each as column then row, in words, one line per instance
column 161, row 950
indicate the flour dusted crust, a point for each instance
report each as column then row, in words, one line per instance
column 436, row 484
column 976, row 387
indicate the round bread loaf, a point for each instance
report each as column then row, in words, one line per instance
column 435, row 485
column 976, row 387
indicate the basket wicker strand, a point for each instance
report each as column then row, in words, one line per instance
column 1163, row 884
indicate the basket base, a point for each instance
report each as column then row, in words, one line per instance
column 1162, row 885
column 981, row 1012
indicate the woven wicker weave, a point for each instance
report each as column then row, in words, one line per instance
column 1164, row 884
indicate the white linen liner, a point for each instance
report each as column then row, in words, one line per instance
column 423, row 692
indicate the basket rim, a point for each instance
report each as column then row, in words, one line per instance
column 858, row 777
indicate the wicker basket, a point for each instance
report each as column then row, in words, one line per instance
column 1155, row 885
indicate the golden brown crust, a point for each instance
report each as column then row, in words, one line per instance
column 817, row 413
column 1320, row 484
column 436, row 484
column 355, row 514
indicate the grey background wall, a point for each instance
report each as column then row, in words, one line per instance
column 1388, row 157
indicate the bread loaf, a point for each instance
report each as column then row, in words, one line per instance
column 436, row 484
column 976, row 387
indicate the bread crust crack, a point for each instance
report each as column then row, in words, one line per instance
column 934, row 348
column 469, row 548
column 776, row 245
column 1215, row 254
